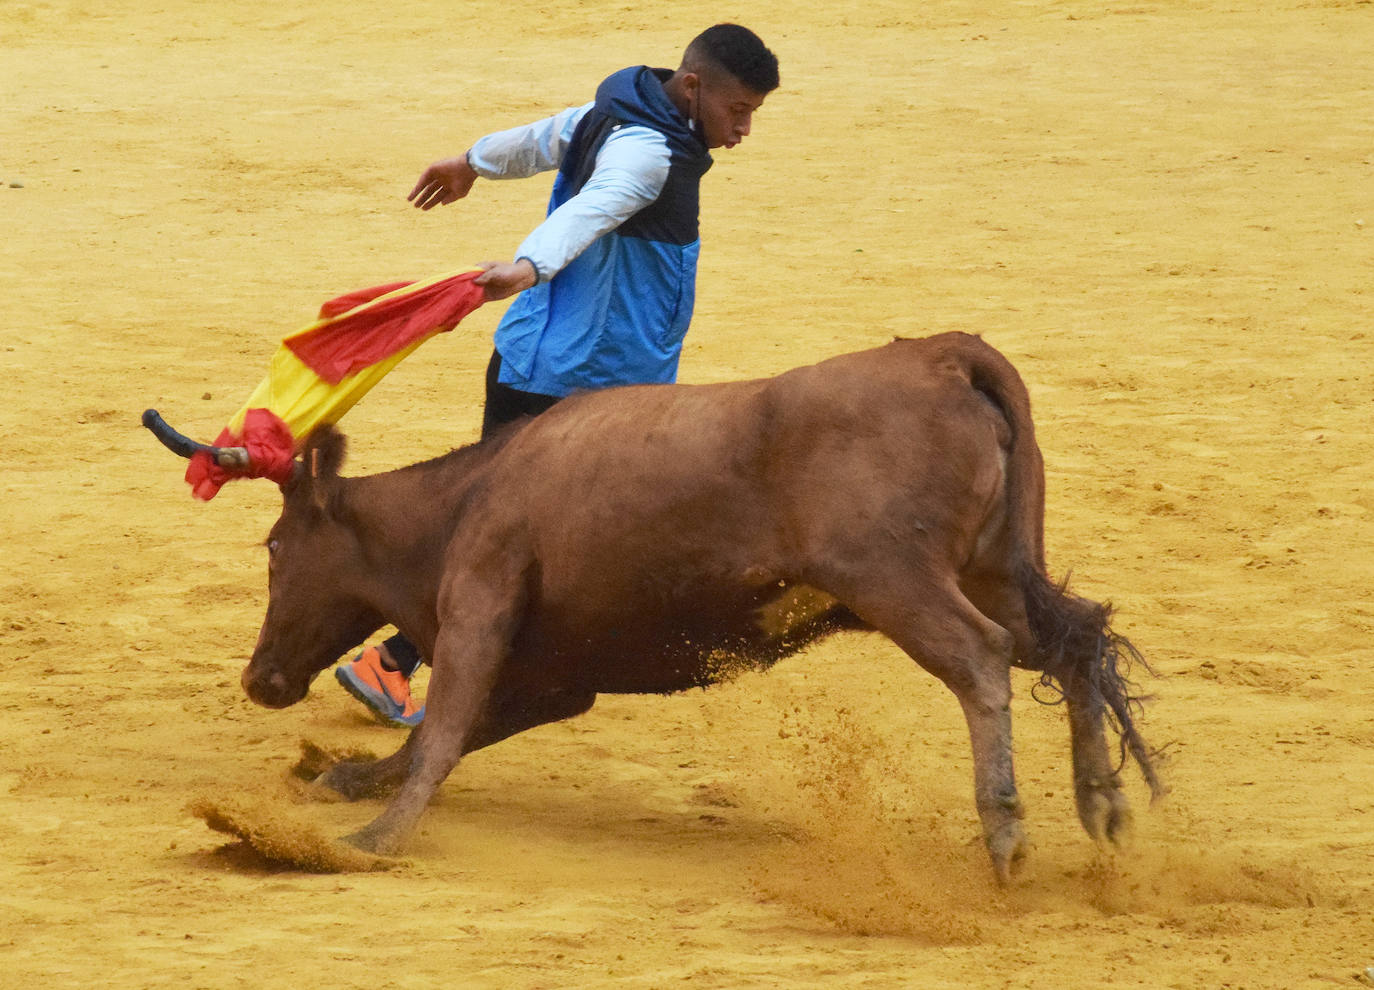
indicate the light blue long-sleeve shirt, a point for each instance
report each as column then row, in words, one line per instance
column 630, row 171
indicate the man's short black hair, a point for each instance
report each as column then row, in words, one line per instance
column 739, row 52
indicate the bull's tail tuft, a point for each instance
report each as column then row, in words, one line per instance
column 1077, row 647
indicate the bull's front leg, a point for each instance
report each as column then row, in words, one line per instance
column 464, row 670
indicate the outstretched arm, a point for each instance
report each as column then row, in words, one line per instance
column 516, row 153
column 630, row 171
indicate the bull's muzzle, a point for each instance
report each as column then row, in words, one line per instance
column 271, row 688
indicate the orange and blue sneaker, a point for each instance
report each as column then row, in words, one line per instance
column 386, row 692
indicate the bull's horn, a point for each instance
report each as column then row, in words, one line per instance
column 230, row 458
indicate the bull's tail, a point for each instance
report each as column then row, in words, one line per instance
column 1074, row 644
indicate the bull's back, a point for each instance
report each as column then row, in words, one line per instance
column 641, row 495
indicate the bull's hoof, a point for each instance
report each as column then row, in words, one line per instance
column 316, row 790
column 1105, row 812
column 1008, row 847
column 352, row 781
column 371, row 839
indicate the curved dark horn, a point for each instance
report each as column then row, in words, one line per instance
column 232, row 458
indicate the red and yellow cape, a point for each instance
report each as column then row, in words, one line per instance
column 321, row 371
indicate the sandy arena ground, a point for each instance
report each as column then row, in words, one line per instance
column 1161, row 211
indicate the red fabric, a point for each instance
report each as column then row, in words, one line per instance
column 271, row 452
column 350, row 300
column 356, row 340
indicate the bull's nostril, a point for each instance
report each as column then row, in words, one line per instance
column 261, row 689
column 271, row 689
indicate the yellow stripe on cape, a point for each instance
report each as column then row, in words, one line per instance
column 304, row 400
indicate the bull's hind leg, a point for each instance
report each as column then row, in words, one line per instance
column 946, row 635
column 354, row 780
column 1102, row 805
column 503, row 717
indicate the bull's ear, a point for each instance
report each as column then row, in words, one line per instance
column 324, row 453
column 318, row 469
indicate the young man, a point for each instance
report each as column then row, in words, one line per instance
column 608, row 279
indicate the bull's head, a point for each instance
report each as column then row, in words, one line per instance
column 316, row 606
column 316, row 571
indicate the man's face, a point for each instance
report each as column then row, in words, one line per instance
column 724, row 108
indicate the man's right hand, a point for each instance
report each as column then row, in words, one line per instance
column 500, row 280
column 443, row 182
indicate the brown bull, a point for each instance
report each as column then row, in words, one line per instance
column 627, row 540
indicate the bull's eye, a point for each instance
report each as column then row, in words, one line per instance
column 272, row 547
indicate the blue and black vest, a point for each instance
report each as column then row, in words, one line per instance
column 616, row 315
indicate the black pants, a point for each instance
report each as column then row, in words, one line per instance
column 503, row 405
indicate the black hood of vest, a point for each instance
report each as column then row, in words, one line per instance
column 636, row 96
